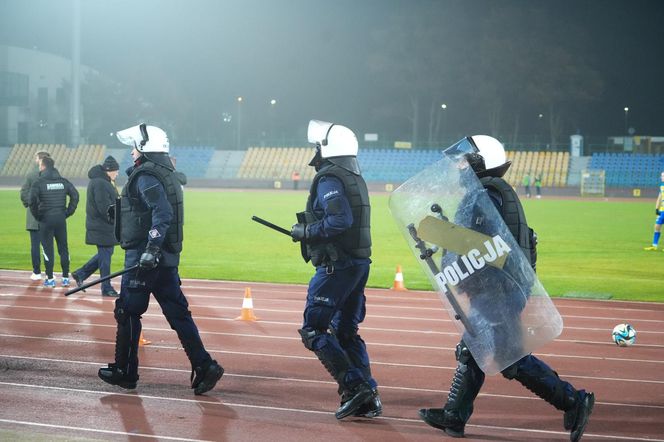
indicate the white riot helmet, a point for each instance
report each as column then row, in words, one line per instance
column 335, row 143
column 493, row 161
column 144, row 138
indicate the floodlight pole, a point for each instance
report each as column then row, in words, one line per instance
column 75, row 117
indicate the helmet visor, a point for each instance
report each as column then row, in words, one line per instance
column 317, row 131
column 131, row 136
column 460, row 148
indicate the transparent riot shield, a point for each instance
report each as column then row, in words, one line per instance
column 484, row 279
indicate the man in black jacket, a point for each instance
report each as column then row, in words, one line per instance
column 31, row 224
column 48, row 204
column 99, row 229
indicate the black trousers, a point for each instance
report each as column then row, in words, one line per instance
column 49, row 229
column 164, row 284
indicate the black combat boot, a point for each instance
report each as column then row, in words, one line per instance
column 357, row 396
column 204, row 379
column 355, row 348
column 466, row 384
column 116, row 376
column 576, row 418
column 542, row 380
column 373, row 407
column 446, row 420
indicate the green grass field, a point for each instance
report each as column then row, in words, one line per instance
column 585, row 247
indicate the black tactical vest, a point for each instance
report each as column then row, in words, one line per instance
column 52, row 194
column 354, row 242
column 513, row 215
column 136, row 218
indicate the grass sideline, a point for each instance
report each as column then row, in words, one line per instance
column 585, row 246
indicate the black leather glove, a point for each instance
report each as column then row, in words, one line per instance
column 656, row 211
column 150, row 258
column 299, row 232
column 110, row 213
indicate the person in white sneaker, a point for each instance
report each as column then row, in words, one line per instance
column 31, row 224
column 48, row 204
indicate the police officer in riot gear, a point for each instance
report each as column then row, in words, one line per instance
column 486, row 156
column 335, row 236
column 150, row 219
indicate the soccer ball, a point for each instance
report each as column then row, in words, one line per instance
column 624, row 335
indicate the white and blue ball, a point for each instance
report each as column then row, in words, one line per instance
column 624, row 335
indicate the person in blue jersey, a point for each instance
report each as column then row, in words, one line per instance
column 486, row 156
column 334, row 233
column 149, row 220
column 659, row 212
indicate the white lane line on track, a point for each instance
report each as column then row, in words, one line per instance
column 585, row 435
column 94, row 430
column 293, row 338
column 297, row 410
column 271, row 287
column 373, row 343
column 293, row 325
column 308, row 358
column 372, row 306
column 234, row 308
column 364, row 327
column 434, row 299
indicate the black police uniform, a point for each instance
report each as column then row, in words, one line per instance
column 530, row 371
column 150, row 224
column 48, row 204
column 338, row 244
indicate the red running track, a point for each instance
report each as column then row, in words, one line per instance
column 274, row 389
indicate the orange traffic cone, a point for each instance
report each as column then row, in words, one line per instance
column 398, row 281
column 247, row 307
column 142, row 341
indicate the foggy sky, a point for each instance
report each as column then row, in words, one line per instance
column 310, row 55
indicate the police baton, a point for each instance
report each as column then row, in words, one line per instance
column 97, row 281
column 426, row 255
column 270, row 225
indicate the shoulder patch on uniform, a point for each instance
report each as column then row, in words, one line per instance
column 154, row 233
column 330, row 194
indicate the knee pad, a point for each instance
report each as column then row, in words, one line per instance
column 121, row 315
column 308, row 336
